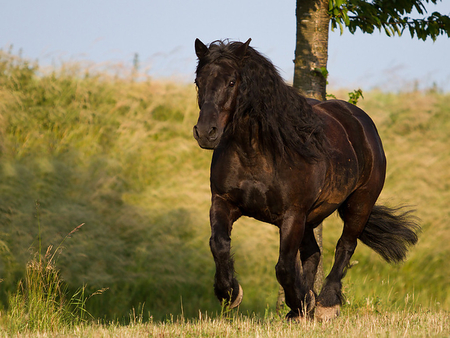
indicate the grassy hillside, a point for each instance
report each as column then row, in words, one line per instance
column 118, row 155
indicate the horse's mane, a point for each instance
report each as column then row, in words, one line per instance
column 284, row 121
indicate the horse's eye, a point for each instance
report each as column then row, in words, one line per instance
column 232, row 83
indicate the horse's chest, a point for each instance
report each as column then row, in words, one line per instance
column 255, row 195
column 255, row 188
column 256, row 198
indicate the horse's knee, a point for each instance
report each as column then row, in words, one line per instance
column 286, row 273
column 281, row 272
column 220, row 247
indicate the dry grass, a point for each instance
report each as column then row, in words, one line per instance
column 392, row 324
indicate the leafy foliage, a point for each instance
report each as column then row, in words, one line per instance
column 354, row 96
column 392, row 16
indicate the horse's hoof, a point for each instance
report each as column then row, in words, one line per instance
column 238, row 299
column 294, row 316
column 324, row 314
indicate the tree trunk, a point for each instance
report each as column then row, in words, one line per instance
column 310, row 77
column 311, row 52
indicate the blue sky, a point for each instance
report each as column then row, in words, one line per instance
column 163, row 32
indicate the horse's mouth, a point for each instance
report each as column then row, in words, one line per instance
column 206, row 144
column 209, row 141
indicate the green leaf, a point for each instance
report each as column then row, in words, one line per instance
column 354, row 96
column 411, row 30
column 346, row 18
column 386, row 30
column 341, row 28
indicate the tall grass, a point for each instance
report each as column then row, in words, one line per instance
column 41, row 302
column 118, row 155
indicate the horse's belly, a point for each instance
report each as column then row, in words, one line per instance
column 330, row 201
column 317, row 215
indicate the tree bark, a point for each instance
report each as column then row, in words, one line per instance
column 310, row 77
column 311, row 52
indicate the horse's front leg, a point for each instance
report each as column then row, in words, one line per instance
column 222, row 217
column 310, row 257
column 288, row 267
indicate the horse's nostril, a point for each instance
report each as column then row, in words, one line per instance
column 196, row 135
column 212, row 133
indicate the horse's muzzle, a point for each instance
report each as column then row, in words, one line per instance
column 207, row 138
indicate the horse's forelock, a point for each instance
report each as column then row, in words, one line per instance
column 222, row 51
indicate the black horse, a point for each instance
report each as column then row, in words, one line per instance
column 291, row 162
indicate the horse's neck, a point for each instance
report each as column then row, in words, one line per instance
column 245, row 140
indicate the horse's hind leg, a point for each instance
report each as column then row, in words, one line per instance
column 355, row 213
column 288, row 269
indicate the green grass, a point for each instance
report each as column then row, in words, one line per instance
column 118, row 155
column 41, row 302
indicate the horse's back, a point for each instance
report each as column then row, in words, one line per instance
column 359, row 129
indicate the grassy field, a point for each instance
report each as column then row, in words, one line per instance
column 397, row 324
column 81, row 146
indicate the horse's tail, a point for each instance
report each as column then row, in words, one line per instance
column 390, row 232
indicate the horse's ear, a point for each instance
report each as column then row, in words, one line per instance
column 240, row 52
column 200, row 49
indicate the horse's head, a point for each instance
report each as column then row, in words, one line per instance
column 217, row 83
